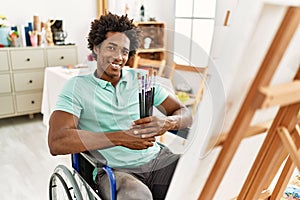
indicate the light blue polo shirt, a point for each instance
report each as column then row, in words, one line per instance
column 102, row 108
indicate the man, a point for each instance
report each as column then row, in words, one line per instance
column 100, row 111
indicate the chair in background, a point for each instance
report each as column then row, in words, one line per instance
column 201, row 74
column 145, row 63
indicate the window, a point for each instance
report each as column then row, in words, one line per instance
column 194, row 27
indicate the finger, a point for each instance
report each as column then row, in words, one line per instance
column 142, row 121
column 143, row 126
column 145, row 131
column 147, row 124
column 148, row 144
column 150, row 139
column 149, row 135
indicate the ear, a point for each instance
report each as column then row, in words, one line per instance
column 96, row 49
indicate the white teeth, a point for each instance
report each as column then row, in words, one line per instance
column 115, row 66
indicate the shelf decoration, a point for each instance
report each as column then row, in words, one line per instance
column 4, row 31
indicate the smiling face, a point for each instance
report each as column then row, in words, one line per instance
column 112, row 55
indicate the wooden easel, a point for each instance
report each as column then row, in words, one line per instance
column 283, row 137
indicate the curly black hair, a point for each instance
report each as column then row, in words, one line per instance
column 114, row 23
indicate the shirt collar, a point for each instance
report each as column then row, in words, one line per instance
column 124, row 78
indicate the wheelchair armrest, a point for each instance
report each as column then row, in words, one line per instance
column 161, row 145
column 181, row 132
column 95, row 158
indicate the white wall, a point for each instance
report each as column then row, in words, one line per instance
column 76, row 15
column 160, row 10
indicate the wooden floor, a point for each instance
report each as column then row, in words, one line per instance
column 25, row 162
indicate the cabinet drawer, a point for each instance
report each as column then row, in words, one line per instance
column 27, row 59
column 5, row 83
column 6, row 105
column 58, row 57
column 3, row 61
column 28, row 81
column 29, row 102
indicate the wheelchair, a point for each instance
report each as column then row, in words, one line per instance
column 79, row 184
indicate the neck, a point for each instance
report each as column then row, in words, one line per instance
column 104, row 76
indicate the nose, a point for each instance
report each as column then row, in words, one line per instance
column 118, row 55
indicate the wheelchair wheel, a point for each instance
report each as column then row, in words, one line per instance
column 58, row 187
column 86, row 191
column 63, row 185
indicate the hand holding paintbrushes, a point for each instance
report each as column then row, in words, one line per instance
column 148, row 126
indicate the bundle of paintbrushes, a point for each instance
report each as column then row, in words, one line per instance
column 146, row 84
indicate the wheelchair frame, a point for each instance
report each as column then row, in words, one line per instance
column 83, row 166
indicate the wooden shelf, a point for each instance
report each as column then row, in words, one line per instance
column 151, row 50
column 153, row 42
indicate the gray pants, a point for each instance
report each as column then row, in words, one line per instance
column 145, row 182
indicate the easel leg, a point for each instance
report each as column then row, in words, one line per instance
column 269, row 154
column 283, row 180
column 275, row 170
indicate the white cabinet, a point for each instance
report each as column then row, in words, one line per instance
column 6, row 106
column 24, row 81
column 29, row 102
column 57, row 56
column 22, row 76
column 27, row 59
column 5, row 86
column 6, row 97
column 3, row 61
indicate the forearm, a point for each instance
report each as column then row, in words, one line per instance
column 180, row 119
column 64, row 137
column 67, row 141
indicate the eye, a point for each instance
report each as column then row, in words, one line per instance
column 125, row 52
column 111, row 48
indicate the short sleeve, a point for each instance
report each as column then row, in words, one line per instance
column 160, row 95
column 69, row 99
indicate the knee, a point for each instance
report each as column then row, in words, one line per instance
column 134, row 190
